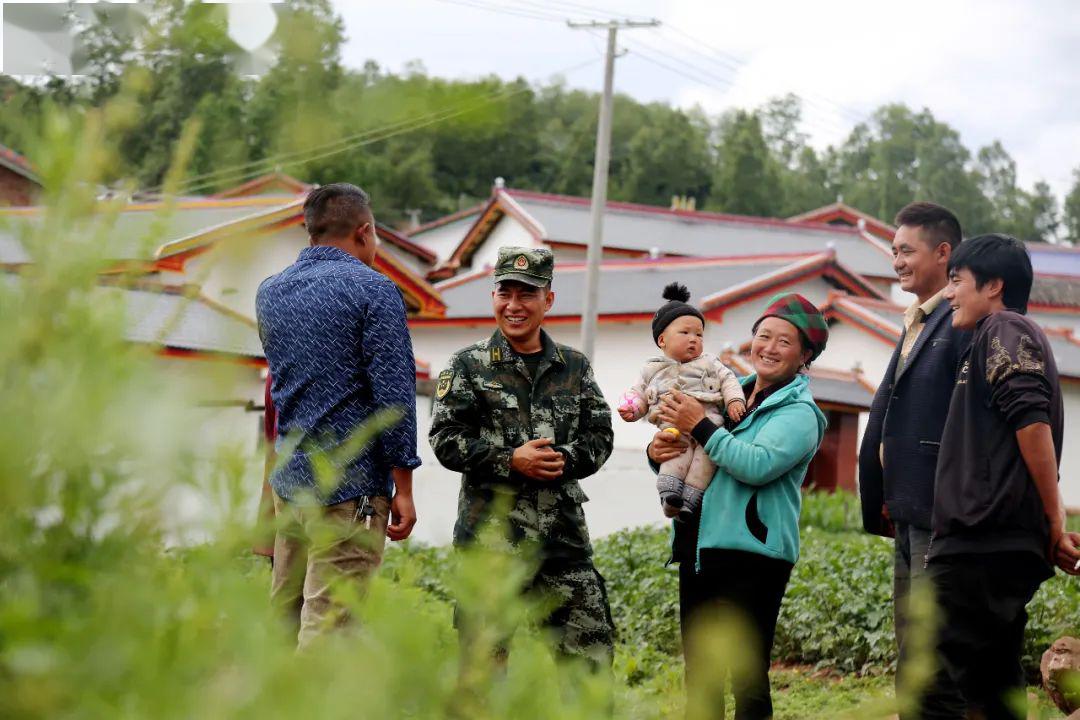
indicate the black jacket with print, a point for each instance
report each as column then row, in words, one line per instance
column 985, row 500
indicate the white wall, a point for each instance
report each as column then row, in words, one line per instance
column 210, row 381
column 1057, row 319
column 444, row 240
column 621, row 349
column 230, row 273
column 407, row 259
column 848, row 345
column 508, row 231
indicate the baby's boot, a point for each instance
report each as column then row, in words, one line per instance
column 671, row 494
column 691, row 502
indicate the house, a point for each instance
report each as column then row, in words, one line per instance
column 189, row 270
column 839, row 214
column 19, row 183
column 213, row 355
column 443, row 235
column 869, row 329
column 275, row 183
column 730, row 291
column 229, row 260
column 560, row 222
column 837, row 256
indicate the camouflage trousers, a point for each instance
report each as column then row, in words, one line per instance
column 580, row 624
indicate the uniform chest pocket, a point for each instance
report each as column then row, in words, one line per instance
column 500, row 415
column 567, row 411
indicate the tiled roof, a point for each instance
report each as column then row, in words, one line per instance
column 839, row 213
column 1066, row 352
column 836, row 387
column 461, row 218
column 167, row 317
column 141, row 228
column 18, row 164
column 403, row 243
column 565, row 219
column 881, row 317
column 275, row 181
column 176, row 317
column 1056, row 290
column 1054, row 259
column 627, row 287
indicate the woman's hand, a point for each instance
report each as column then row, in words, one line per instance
column 681, row 411
column 666, row 446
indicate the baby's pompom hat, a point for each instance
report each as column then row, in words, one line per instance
column 676, row 306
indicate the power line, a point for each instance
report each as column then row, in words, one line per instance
column 715, row 55
column 600, row 175
column 736, row 63
column 696, row 73
column 828, row 114
column 546, row 8
column 503, row 10
column 282, row 157
column 367, row 137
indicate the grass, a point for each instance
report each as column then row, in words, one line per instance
column 799, row 692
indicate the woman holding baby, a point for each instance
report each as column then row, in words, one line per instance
column 735, row 556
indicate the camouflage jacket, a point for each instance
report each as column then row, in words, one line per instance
column 486, row 404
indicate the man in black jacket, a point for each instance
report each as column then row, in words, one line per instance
column 999, row 520
column 900, row 445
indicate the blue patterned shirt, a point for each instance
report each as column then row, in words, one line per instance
column 338, row 347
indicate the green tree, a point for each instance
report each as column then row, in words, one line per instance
column 1029, row 216
column 900, row 156
column 294, row 106
column 804, row 181
column 746, row 179
column 1071, row 215
column 186, row 60
column 668, row 155
column 781, row 119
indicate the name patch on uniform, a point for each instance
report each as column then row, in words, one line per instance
column 446, row 377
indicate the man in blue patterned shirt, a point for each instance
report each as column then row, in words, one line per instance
column 337, row 343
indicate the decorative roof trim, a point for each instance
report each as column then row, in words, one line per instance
column 247, row 189
column 173, row 255
column 820, row 264
column 700, row 215
column 170, row 206
column 447, row 219
column 18, row 164
column 399, row 240
column 847, row 214
column 843, row 308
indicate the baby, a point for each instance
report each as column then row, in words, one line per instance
column 677, row 329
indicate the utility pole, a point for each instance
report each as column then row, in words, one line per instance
column 600, row 178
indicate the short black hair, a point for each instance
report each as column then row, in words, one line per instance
column 332, row 211
column 994, row 256
column 938, row 221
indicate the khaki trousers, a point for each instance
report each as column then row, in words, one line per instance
column 316, row 550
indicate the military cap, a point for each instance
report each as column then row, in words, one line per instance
column 532, row 266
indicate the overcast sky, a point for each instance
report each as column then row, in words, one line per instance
column 1000, row 69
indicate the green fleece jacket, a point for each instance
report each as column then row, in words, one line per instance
column 754, row 500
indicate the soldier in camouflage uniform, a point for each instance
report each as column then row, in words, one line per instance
column 522, row 415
